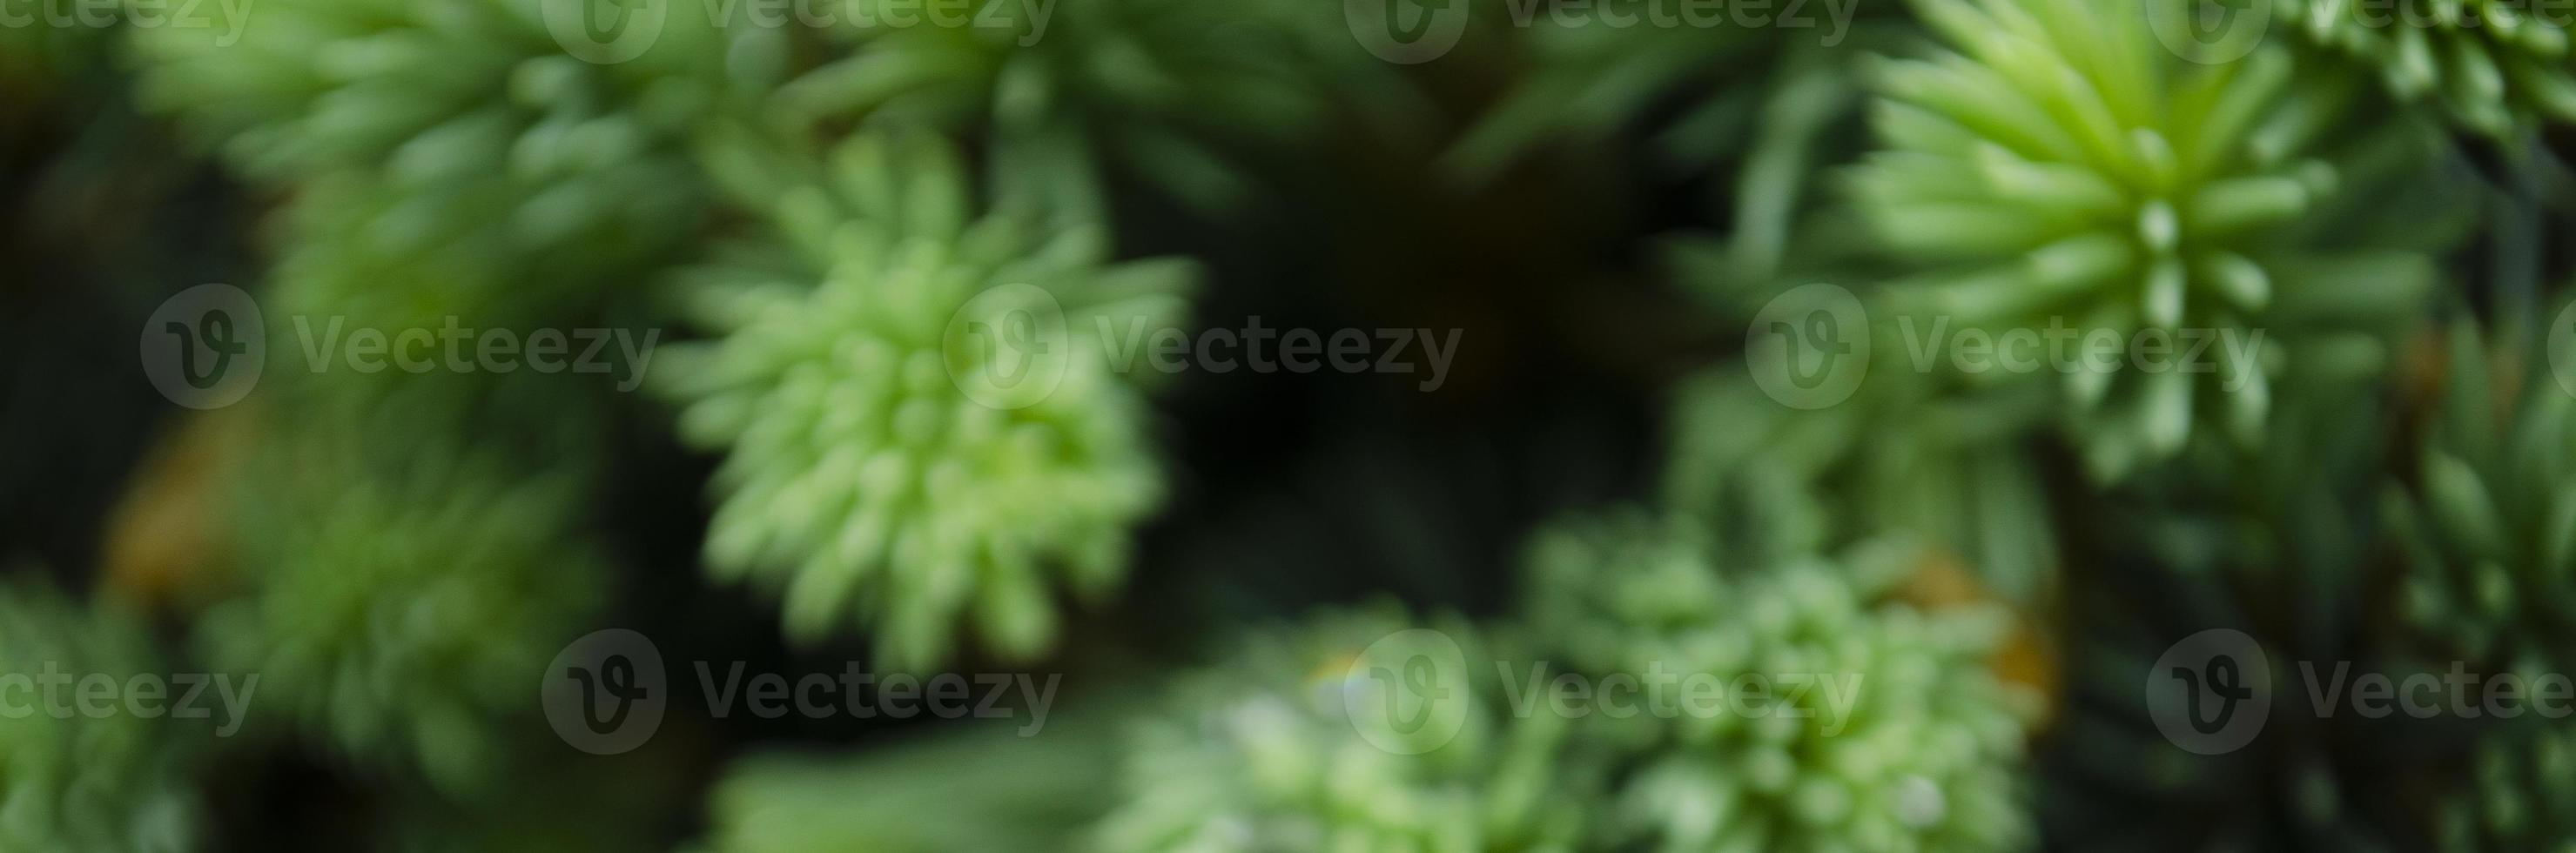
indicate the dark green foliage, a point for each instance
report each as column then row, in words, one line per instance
column 901, row 271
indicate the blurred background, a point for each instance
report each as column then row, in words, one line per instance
column 470, row 405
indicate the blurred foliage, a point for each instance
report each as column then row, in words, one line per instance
column 2057, row 162
column 396, row 592
column 2495, row 67
column 972, row 790
column 1882, row 726
column 877, row 457
column 1236, row 570
column 479, row 139
column 1776, row 482
column 1185, row 96
column 78, row 781
column 2517, row 799
column 2485, row 517
column 1271, row 750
